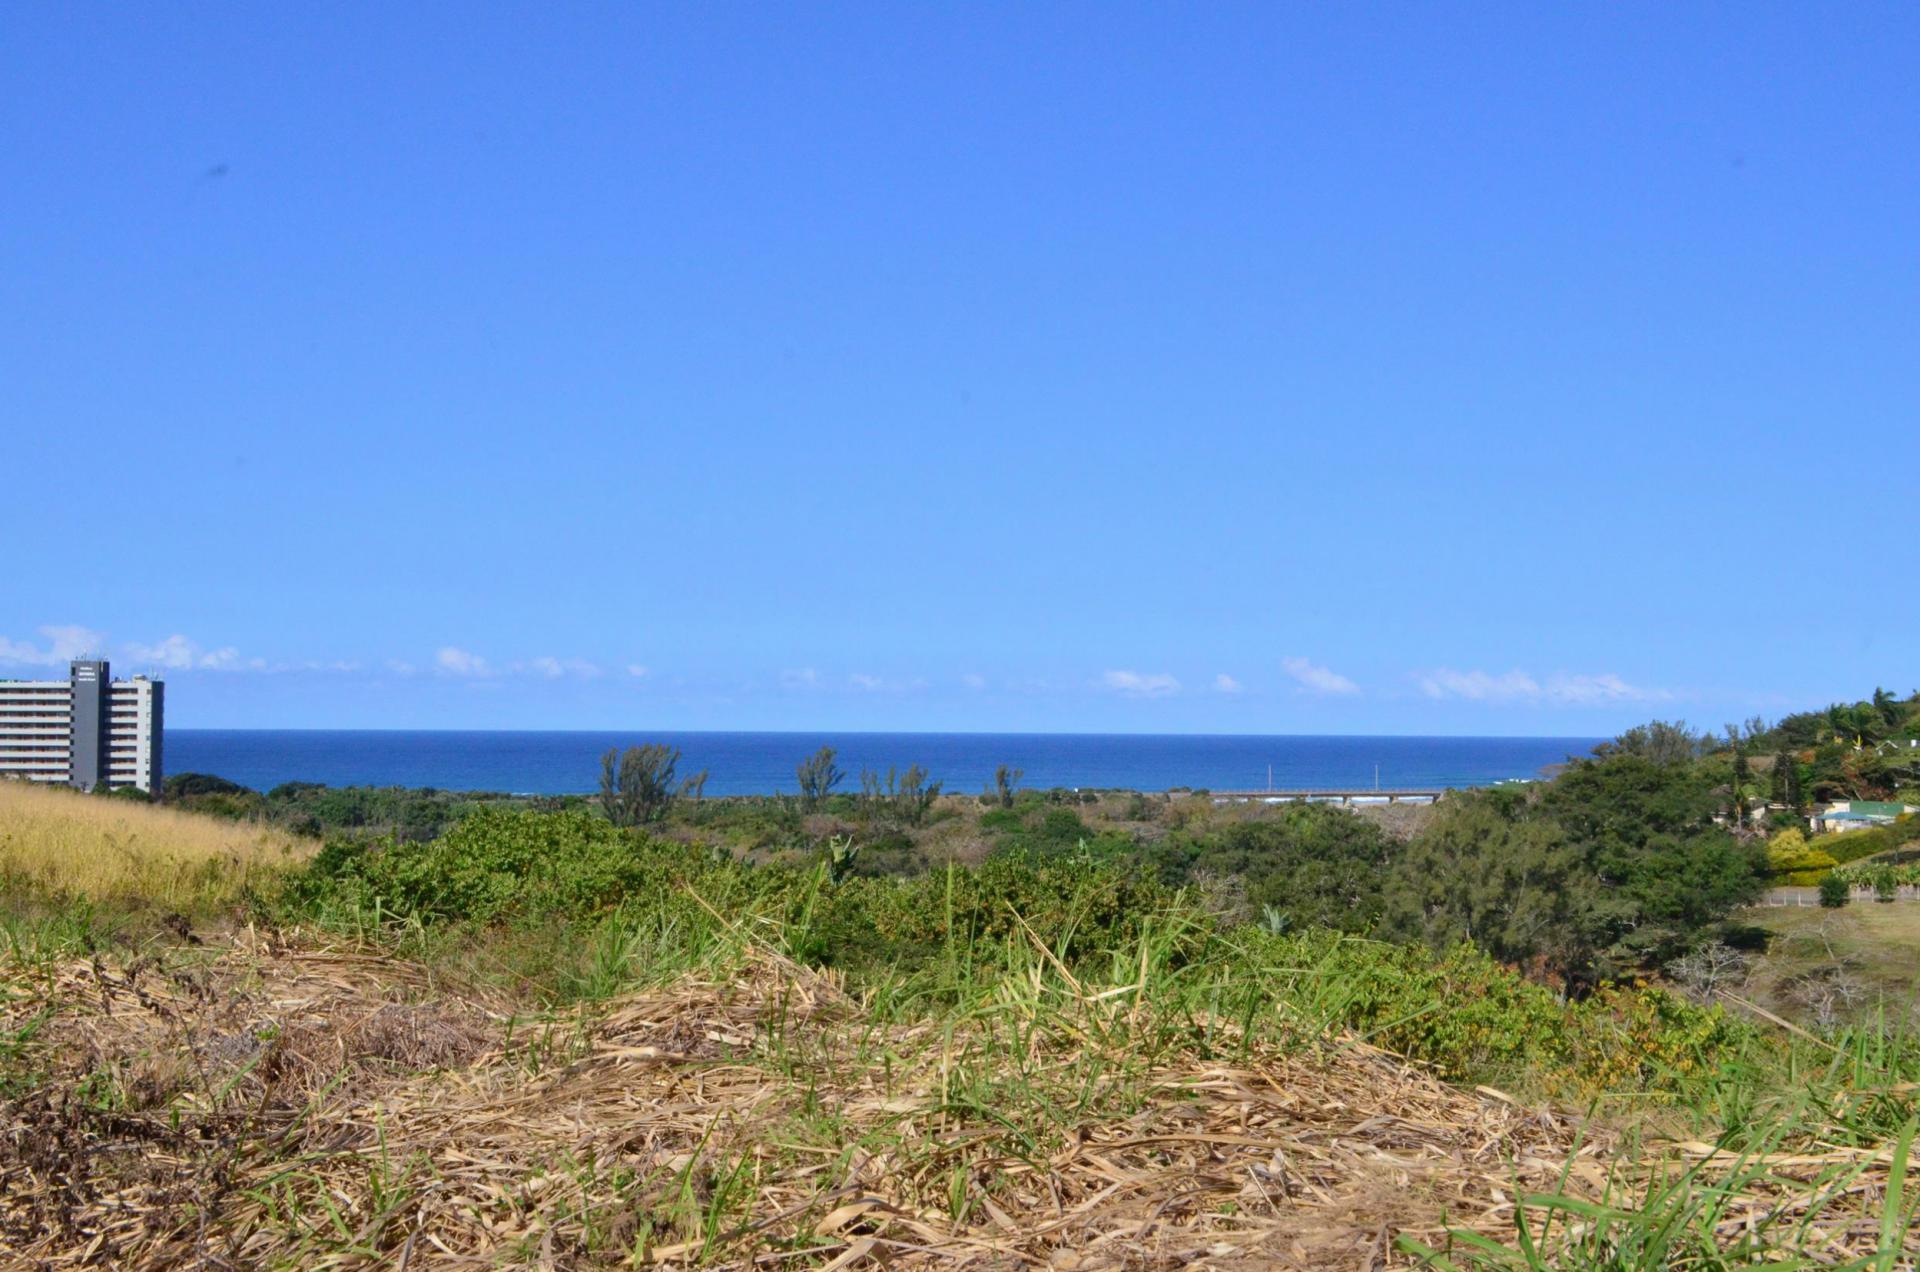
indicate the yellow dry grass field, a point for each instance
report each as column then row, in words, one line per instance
column 62, row 844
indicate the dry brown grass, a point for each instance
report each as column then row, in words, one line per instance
column 59, row 843
column 282, row 1104
column 285, row 1103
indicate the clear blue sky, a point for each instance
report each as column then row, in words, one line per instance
column 1415, row 368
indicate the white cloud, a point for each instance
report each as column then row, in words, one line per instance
column 1561, row 689
column 1479, row 686
column 637, row 671
column 400, row 667
column 1317, row 679
column 800, row 678
column 451, row 660
column 869, row 683
column 69, row 641
column 454, row 661
column 554, row 668
column 1137, row 684
column 172, row 653
column 65, row 642
column 177, row 653
column 1588, row 690
column 974, row 680
column 1223, row 683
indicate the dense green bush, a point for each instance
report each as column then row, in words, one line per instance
column 499, row 863
column 312, row 808
column 1052, row 831
column 182, row 785
column 1474, row 1019
column 1308, row 864
column 1874, row 874
column 512, row 866
column 1854, row 845
column 1001, row 820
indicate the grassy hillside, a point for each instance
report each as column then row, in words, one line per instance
column 544, row 1039
column 56, row 843
column 1855, row 963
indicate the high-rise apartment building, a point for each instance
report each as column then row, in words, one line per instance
column 86, row 730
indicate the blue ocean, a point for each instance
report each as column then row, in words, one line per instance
column 762, row 763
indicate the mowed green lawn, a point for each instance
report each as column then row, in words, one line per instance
column 1849, row 962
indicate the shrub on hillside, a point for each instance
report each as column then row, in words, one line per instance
column 1307, row 864
column 1873, row 874
column 1854, row 845
column 1002, row 820
column 1051, row 832
column 181, row 785
column 1794, row 861
column 499, row 863
column 1076, row 908
column 509, row 865
column 1476, row 1020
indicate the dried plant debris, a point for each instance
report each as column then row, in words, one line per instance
column 276, row 1103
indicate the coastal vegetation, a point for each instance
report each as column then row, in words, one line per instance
column 639, row 786
column 890, row 1022
column 311, row 809
column 1868, row 749
column 545, row 1037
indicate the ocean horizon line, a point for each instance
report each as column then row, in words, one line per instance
column 826, row 731
column 755, row 762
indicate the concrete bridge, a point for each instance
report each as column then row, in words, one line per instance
column 1332, row 795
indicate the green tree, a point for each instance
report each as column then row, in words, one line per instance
column 905, row 798
column 1006, row 784
column 818, row 775
column 1659, row 741
column 1834, row 892
column 1616, row 865
column 636, row 786
column 1645, row 831
column 1514, row 886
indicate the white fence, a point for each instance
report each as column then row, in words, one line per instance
column 1791, row 897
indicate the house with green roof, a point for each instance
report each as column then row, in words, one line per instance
column 1857, row 814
